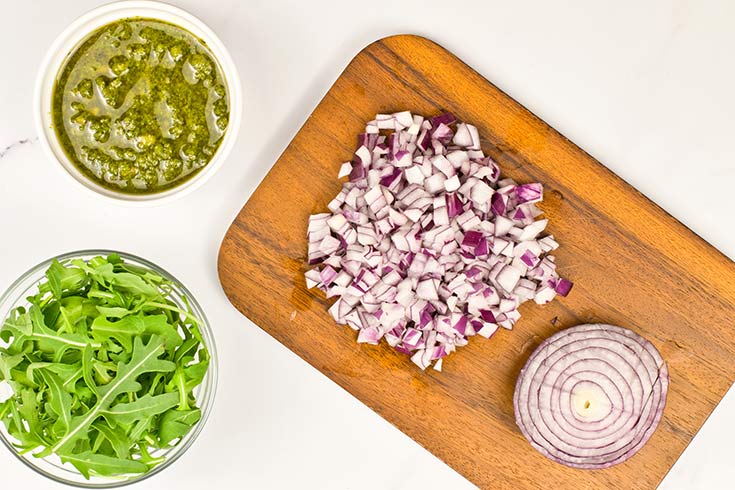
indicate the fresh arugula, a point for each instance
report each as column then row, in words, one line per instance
column 103, row 366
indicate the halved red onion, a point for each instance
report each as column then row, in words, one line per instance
column 591, row 396
column 425, row 246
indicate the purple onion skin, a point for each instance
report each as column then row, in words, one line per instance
column 446, row 118
column 358, row 172
column 563, row 287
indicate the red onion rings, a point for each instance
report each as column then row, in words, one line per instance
column 591, row 396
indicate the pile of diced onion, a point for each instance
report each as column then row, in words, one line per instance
column 425, row 246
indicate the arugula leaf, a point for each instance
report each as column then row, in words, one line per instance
column 116, row 436
column 64, row 321
column 87, row 374
column 158, row 325
column 176, row 424
column 59, row 399
column 103, row 365
column 114, row 311
column 122, row 330
column 73, row 311
column 144, row 360
column 126, row 281
column 18, row 327
column 178, row 384
column 188, row 348
column 27, row 409
column 5, row 409
column 49, row 340
column 195, row 373
column 68, row 373
column 144, row 407
column 100, row 464
column 54, row 278
column 8, row 362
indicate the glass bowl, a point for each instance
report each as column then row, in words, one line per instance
column 51, row 466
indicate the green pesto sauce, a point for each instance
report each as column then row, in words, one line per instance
column 140, row 106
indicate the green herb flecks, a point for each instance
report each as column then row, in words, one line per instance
column 140, row 106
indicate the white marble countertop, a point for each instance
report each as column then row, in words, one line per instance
column 645, row 87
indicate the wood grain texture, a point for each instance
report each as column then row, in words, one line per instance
column 633, row 265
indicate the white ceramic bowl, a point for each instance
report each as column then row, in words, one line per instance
column 66, row 43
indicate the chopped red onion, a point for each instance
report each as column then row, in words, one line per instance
column 424, row 246
column 591, row 396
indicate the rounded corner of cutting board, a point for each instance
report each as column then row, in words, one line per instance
column 223, row 258
column 403, row 40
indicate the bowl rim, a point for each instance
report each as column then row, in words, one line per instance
column 78, row 30
column 210, row 388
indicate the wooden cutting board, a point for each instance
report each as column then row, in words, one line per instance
column 632, row 264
